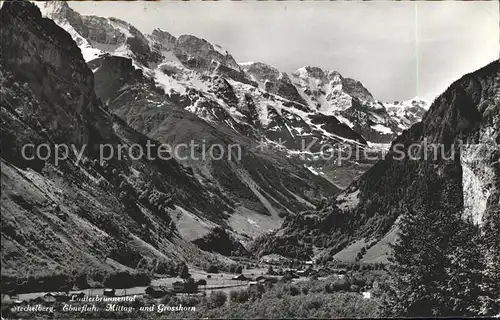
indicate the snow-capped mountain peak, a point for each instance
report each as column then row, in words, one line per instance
column 421, row 102
column 53, row 8
column 193, row 67
column 328, row 91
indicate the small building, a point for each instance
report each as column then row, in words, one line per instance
column 56, row 296
column 39, row 300
column 340, row 271
column 13, row 295
column 49, row 297
column 109, row 292
column 253, row 283
column 178, row 286
column 156, row 291
column 241, row 277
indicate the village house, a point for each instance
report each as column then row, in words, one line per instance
column 156, row 291
column 240, row 277
column 57, row 296
column 178, row 286
column 109, row 292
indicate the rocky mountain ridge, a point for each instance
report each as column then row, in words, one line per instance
column 128, row 213
column 188, row 64
column 458, row 172
column 192, row 72
column 101, row 217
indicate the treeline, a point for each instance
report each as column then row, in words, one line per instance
column 67, row 282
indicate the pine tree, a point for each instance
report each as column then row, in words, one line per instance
column 491, row 245
column 437, row 267
column 184, row 273
column 465, row 273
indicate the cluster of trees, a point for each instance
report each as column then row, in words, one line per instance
column 68, row 280
column 212, row 268
column 149, row 195
column 441, row 268
column 221, row 241
column 307, row 300
column 162, row 266
column 231, row 268
column 294, row 246
column 125, row 279
column 360, row 254
column 129, row 191
column 184, row 272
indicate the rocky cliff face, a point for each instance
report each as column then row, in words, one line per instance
column 406, row 113
column 347, row 99
column 252, row 183
column 328, row 90
column 274, row 81
column 73, row 84
column 164, row 40
column 197, row 54
column 458, row 170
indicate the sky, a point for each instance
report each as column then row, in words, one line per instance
column 397, row 49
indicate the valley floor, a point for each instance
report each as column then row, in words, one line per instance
column 332, row 296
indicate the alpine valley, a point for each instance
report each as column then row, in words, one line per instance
column 84, row 80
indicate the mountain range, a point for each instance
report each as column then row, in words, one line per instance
column 88, row 81
column 191, row 64
column 450, row 162
column 303, row 115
